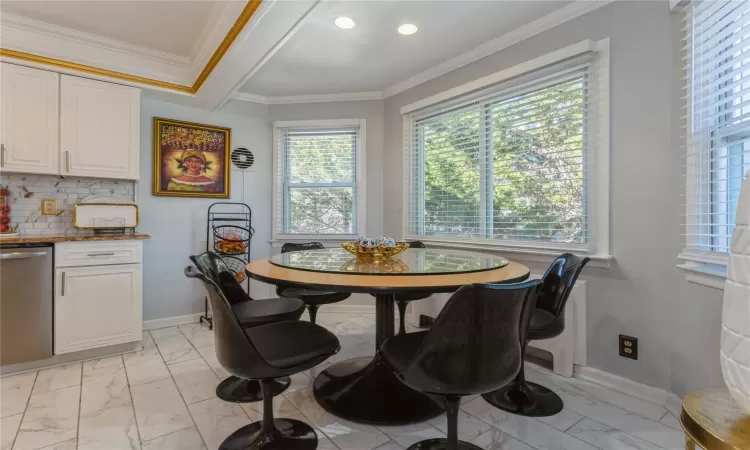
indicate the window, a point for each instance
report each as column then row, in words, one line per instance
column 318, row 179
column 512, row 164
column 718, row 142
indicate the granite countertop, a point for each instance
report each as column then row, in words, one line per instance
column 50, row 239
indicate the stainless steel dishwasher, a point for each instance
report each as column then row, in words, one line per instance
column 26, row 277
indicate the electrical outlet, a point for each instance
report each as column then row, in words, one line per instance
column 628, row 347
column 49, row 207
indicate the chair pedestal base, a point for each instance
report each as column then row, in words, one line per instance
column 527, row 399
column 285, row 434
column 442, row 444
column 237, row 390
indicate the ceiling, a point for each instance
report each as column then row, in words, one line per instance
column 321, row 58
column 206, row 52
column 169, row 26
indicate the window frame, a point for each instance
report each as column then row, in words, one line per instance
column 703, row 267
column 279, row 181
column 597, row 157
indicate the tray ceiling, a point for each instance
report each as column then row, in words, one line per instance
column 321, row 58
column 167, row 26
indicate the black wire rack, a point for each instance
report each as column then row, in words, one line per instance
column 228, row 233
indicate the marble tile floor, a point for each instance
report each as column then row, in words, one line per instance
column 162, row 398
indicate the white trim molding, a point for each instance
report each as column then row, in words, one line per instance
column 661, row 397
column 705, row 275
column 360, row 180
column 319, row 98
column 704, row 268
column 174, row 321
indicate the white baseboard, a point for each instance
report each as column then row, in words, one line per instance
column 171, row 321
column 669, row 400
column 674, row 404
column 347, row 309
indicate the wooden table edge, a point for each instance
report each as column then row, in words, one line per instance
column 258, row 270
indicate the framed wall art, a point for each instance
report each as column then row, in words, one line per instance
column 191, row 159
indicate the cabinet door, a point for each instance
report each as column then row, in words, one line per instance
column 29, row 130
column 99, row 128
column 97, row 306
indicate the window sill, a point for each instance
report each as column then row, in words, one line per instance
column 327, row 241
column 523, row 253
column 704, row 269
column 513, row 253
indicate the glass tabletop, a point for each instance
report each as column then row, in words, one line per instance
column 413, row 261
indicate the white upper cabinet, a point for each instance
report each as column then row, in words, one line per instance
column 29, row 119
column 99, row 129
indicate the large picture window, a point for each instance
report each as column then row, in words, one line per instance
column 317, row 179
column 718, row 150
column 508, row 166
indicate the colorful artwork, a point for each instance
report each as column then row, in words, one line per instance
column 190, row 159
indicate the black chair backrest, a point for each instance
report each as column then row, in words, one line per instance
column 234, row 350
column 290, row 247
column 558, row 282
column 211, row 265
column 416, row 244
column 474, row 346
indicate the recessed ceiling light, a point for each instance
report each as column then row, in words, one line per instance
column 407, row 29
column 344, row 22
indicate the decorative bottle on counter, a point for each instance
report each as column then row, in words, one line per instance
column 5, row 228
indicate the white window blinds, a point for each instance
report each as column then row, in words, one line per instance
column 316, row 181
column 506, row 166
column 718, row 142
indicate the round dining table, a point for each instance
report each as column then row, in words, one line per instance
column 365, row 389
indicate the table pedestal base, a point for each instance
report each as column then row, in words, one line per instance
column 366, row 390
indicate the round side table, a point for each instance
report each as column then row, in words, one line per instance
column 712, row 420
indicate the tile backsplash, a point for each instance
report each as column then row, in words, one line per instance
column 28, row 191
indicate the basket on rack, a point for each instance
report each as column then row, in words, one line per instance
column 231, row 239
column 236, row 266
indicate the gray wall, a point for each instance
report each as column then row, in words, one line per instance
column 642, row 294
column 178, row 225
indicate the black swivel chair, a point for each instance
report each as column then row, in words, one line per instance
column 265, row 353
column 312, row 298
column 250, row 313
column 473, row 347
column 547, row 321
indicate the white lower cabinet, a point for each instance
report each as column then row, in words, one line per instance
column 97, row 306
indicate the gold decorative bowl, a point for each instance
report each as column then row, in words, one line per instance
column 374, row 251
column 373, row 265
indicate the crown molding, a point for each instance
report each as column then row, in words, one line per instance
column 218, row 24
column 40, row 44
column 69, row 34
column 247, row 97
column 45, row 40
column 562, row 15
column 317, row 98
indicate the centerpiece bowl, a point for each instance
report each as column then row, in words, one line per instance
column 374, row 251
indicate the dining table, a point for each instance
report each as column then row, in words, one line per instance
column 365, row 389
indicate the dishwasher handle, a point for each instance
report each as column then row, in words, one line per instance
column 21, row 255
